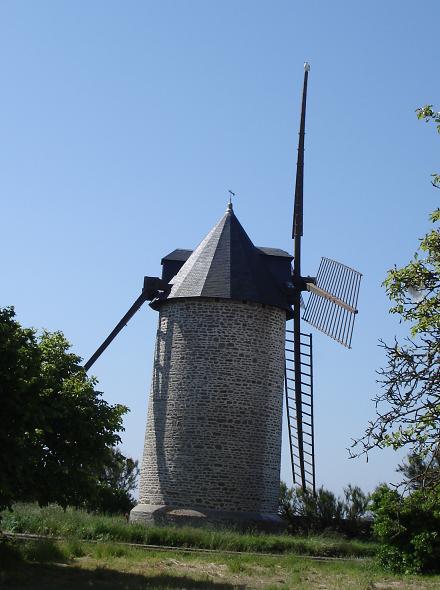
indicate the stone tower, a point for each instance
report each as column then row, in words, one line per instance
column 213, row 438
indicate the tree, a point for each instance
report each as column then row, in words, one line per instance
column 20, row 361
column 116, row 483
column 57, row 432
column 355, row 504
column 408, row 405
column 427, row 114
column 420, row 472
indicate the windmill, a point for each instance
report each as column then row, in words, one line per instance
column 223, row 358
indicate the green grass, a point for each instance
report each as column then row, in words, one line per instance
column 81, row 565
column 53, row 521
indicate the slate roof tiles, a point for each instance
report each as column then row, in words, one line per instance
column 227, row 265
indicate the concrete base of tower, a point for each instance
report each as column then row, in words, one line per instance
column 150, row 514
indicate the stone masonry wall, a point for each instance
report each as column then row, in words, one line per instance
column 213, row 437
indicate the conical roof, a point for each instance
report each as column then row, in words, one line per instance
column 227, row 265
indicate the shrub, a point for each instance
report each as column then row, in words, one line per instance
column 324, row 511
column 408, row 529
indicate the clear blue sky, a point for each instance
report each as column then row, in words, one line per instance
column 123, row 125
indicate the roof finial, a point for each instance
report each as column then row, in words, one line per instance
column 306, row 66
column 231, row 194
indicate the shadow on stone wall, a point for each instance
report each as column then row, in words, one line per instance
column 164, row 345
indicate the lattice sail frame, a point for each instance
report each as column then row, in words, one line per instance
column 332, row 305
column 302, row 455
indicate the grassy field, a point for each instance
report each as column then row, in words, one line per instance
column 76, row 562
column 29, row 518
column 75, row 565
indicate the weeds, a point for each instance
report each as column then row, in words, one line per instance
column 78, row 524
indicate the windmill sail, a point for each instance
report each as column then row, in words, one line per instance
column 332, row 305
column 300, row 416
column 331, row 308
column 127, row 317
column 151, row 289
column 297, row 386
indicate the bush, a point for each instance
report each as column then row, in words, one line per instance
column 408, row 529
column 322, row 512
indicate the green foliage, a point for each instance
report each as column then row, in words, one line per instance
column 79, row 524
column 324, row 508
column 429, row 115
column 415, row 288
column 324, row 511
column 288, row 505
column 356, row 503
column 115, row 485
column 408, row 529
column 408, row 405
column 408, row 408
column 57, row 431
column 20, row 360
column 420, row 472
